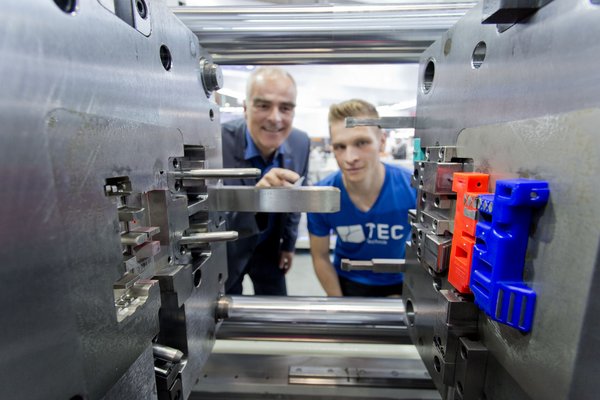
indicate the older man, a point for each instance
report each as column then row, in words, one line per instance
column 265, row 139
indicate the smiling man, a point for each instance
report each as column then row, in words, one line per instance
column 264, row 139
column 373, row 217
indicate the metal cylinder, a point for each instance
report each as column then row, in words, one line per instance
column 343, row 319
column 208, row 237
column 221, row 173
column 326, row 33
column 166, row 352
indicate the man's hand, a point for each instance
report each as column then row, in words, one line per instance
column 278, row 177
column 285, row 261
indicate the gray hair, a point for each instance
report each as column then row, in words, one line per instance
column 274, row 72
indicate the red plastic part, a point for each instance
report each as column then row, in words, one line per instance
column 467, row 185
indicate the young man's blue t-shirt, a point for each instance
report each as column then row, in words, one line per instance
column 381, row 232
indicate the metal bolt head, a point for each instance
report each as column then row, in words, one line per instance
column 212, row 76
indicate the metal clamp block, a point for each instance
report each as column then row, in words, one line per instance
column 440, row 153
column 436, row 221
column 470, row 370
column 436, row 252
column 434, row 177
column 459, row 318
column 440, row 203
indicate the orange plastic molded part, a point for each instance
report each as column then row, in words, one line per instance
column 467, row 185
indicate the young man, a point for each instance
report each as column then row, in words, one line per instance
column 373, row 219
column 264, row 139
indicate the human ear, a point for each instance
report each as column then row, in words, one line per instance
column 382, row 139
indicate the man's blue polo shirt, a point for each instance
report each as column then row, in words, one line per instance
column 252, row 154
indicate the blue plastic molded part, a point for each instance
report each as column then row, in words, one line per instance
column 418, row 154
column 499, row 254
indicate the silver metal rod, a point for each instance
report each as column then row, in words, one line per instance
column 300, row 319
column 166, row 352
column 208, row 237
column 325, row 349
column 217, row 173
column 378, row 265
column 323, row 199
column 300, row 332
column 319, row 310
column 383, row 122
column 326, row 33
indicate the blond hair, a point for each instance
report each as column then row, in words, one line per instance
column 351, row 108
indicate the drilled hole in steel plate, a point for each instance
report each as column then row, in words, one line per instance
column 447, row 46
column 220, row 277
column 428, row 76
column 478, row 55
column 211, row 114
column 437, row 364
column 197, row 277
column 410, row 312
column 463, row 352
column 165, row 57
column 141, row 8
column 67, row 6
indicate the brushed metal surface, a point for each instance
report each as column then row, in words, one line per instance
column 321, row 33
column 279, row 199
column 85, row 98
column 542, row 66
column 324, row 310
column 255, row 376
column 566, row 234
column 527, row 109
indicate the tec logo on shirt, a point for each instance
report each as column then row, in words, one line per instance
column 376, row 233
